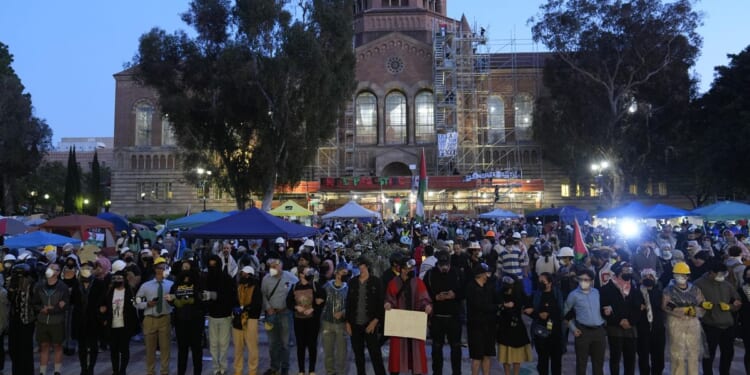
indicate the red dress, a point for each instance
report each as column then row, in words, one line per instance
column 407, row 354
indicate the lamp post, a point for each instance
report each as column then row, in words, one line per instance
column 204, row 175
column 32, row 196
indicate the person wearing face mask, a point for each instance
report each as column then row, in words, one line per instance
column 221, row 290
column 306, row 300
column 132, row 271
column 119, row 320
column 666, row 260
column 481, row 312
column 621, row 306
column 682, row 303
column 514, row 346
column 245, row 321
column 334, row 322
column 445, row 288
column 50, row 299
column 744, row 317
column 566, row 274
column 69, row 275
column 85, row 297
column 364, row 312
column 189, row 315
column 550, row 337
column 735, row 267
column 275, row 289
column 721, row 301
column 645, row 257
column 588, row 325
column 651, row 332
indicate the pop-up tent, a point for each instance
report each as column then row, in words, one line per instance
column 565, row 214
column 499, row 213
column 290, row 208
column 196, row 220
column 725, row 210
column 663, row 211
column 85, row 228
column 351, row 210
column 632, row 209
column 252, row 223
column 39, row 239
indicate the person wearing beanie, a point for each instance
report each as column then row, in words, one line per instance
column 153, row 299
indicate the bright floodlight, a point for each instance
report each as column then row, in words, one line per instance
column 594, row 167
column 629, row 228
column 604, row 164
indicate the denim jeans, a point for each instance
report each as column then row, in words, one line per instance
column 219, row 333
column 278, row 340
column 334, row 347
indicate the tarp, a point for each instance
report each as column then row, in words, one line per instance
column 632, row 209
column 120, row 222
column 39, row 239
column 351, row 210
column 566, row 214
column 10, row 226
column 663, row 211
column 725, row 210
column 252, row 223
column 499, row 213
column 196, row 220
column 290, row 208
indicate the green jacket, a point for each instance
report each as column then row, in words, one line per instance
column 716, row 293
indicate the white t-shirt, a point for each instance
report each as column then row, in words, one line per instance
column 118, row 304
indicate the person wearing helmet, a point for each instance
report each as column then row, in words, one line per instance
column 153, row 298
column 50, row 299
column 683, row 303
column 245, row 320
column 566, row 274
column 86, row 293
column 120, row 318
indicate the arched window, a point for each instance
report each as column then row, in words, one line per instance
column 144, row 112
column 424, row 119
column 395, row 119
column 167, row 132
column 366, row 119
column 396, row 3
column 524, row 110
column 496, row 120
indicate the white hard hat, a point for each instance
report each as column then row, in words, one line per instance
column 565, row 252
column 248, row 270
column 516, row 235
column 124, row 250
column 25, row 255
column 9, row 258
column 164, row 252
column 280, row 240
column 118, row 265
column 310, row 243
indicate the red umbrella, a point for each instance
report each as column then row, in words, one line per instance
column 10, row 226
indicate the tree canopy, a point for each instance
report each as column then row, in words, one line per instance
column 255, row 92
column 24, row 138
column 618, row 83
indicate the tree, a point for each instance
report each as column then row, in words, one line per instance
column 256, row 91
column 48, row 180
column 618, row 83
column 24, row 138
column 73, row 201
column 95, row 185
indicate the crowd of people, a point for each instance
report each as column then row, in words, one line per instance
column 499, row 288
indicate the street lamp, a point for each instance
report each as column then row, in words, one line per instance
column 204, row 175
column 32, row 195
column 598, row 168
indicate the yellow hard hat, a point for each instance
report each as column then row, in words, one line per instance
column 49, row 249
column 159, row 261
column 681, row 268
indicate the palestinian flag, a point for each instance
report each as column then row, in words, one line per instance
column 579, row 245
column 422, row 188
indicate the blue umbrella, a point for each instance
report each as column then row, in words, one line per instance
column 39, row 239
column 725, row 210
column 663, row 211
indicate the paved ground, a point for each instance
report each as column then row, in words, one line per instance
column 137, row 362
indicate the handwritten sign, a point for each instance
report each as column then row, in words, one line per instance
column 406, row 323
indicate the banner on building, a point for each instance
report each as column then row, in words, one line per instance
column 447, row 144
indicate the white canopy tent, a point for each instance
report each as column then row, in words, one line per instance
column 351, row 210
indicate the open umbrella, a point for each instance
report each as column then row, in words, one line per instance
column 725, row 210
column 10, row 226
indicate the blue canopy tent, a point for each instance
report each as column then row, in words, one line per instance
column 252, row 223
column 632, row 209
column 663, row 211
column 499, row 213
column 725, row 210
column 196, row 220
column 120, row 222
column 39, row 239
column 566, row 213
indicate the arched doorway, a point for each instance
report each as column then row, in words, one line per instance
column 396, row 169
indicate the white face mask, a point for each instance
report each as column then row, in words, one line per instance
column 720, row 278
column 273, row 272
column 667, row 255
column 585, row 285
column 49, row 273
column 682, row 280
column 86, row 273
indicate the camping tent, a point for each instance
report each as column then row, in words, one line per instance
column 632, row 209
column 351, row 210
column 9, row 226
column 724, row 210
column 120, row 222
column 196, row 220
column 39, row 239
column 290, row 208
column 499, row 213
column 84, row 228
column 250, row 224
column 566, row 213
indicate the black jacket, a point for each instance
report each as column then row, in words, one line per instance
column 129, row 313
column 622, row 307
column 481, row 308
column 87, row 319
column 226, row 294
column 375, row 300
column 187, row 297
column 437, row 282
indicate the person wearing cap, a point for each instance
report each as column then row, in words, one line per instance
column 588, row 325
column 120, row 320
column 445, row 288
column 333, row 322
column 221, row 290
column 651, row 340
column 364, row 312
column 189, row 315
column 721, row 301
column 275, row 288
column 621, row 306
column 85, row 297
column 481, row 313
column 682, row 302
column 245, row 321
column 407, row 292
column 153, row 297
column 50, row 299
column 306, row 299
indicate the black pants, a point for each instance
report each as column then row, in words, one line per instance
column 189, row 340
column 2, row 351
column 360, row 338
column 651, row 346
column 442, row 328
column 119, row 345
column 88, row 349
column 621, row 348
column 724, row 339
column 306, row 334
column 21, row 347
column 549, row 353
column 592, row 343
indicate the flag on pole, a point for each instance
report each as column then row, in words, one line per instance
column 579, row 245
column 422, row 188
